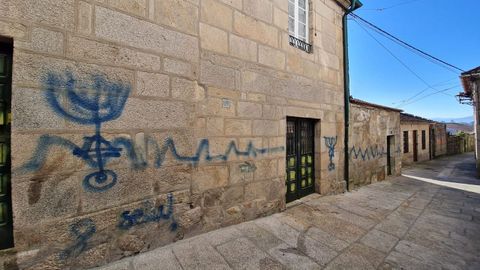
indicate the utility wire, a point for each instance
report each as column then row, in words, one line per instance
column 405, row 43
column 396, row 58
column 409, row 69
column 408, row 48
column 389, row 7
column 434, row 93
column 423, row 90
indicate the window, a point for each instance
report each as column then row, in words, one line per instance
column 423, row 139
column 405, row 142
column 298, row 24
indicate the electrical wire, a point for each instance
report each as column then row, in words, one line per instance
column 404, row 43
column 392, row 6
column 408, row 48
column 396, row 58
column 431, row 94
column 408, row 101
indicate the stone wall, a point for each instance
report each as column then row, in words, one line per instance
column 423, row 154
column 369, row 128
column 440, row 139
column 137, row 123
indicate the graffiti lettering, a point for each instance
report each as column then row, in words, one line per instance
column 82, row 231
column 148, row 214
column 331, row 142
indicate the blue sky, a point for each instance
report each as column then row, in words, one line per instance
column 448, row 30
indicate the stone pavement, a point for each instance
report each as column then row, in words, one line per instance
column 402, row 223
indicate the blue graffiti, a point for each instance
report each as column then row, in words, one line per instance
column 99, row 101
column 203, row 152
column 369, row 153
column 89, row 104
column 81, row 231
column 148, row 214
column 331, row 142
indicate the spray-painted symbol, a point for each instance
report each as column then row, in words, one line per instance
column 90, row 104
column 82, row 231
column 331, row 142
column 148, row 213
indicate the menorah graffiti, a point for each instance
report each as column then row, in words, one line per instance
column 97, row 102
column 91, row 103
column 331, row 142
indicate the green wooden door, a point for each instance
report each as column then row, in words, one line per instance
column 300, row 174
column 6, row 224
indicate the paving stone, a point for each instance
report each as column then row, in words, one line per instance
column 397, row 260
column 434, row 257
column 261, row 237
column 282, row 231
column 328, row 239
column 159, row 258
column 242, row 254
column 316, row 250
column 199, row 255
column 221, row 236
column 357, row 256
column 292, row 258
column 379, row 240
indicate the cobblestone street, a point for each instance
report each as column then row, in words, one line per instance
column 428, row 220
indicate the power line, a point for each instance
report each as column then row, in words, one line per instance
column 409, row 69
column 405, row 43
column 408, row 48
column 392, row 6
column 425, row 89
column 396, row 58
column 434, row 93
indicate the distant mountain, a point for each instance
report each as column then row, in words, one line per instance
column 467, row 120
column 454, row 128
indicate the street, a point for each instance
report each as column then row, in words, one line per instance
column 429, row 218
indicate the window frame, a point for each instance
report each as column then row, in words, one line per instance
column 296, row 20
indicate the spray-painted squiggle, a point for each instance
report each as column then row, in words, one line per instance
column 368, row 153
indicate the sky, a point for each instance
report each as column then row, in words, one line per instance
column 448, row 30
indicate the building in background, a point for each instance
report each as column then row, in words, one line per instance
column 415, row 138
column 138, row 123
column 438, row 139
column 375, row 143
column 471, row 86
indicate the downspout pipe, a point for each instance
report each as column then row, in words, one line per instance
column 346, row 82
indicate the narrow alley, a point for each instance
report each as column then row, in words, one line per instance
column 428, row 218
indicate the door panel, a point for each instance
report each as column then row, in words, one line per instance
column 6, row 226
column 415, row 146
column 300, row 170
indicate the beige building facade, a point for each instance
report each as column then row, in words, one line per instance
column 375, row 143
column 471, row 96
column 137, row 123
column 415, row 138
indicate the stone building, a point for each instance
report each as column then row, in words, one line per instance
column 375, row 143
column 471, row 85
column 415, row 138
column 135, row 123
column 438, row 139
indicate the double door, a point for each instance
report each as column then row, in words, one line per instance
column 300, row 170
column 6, row 226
